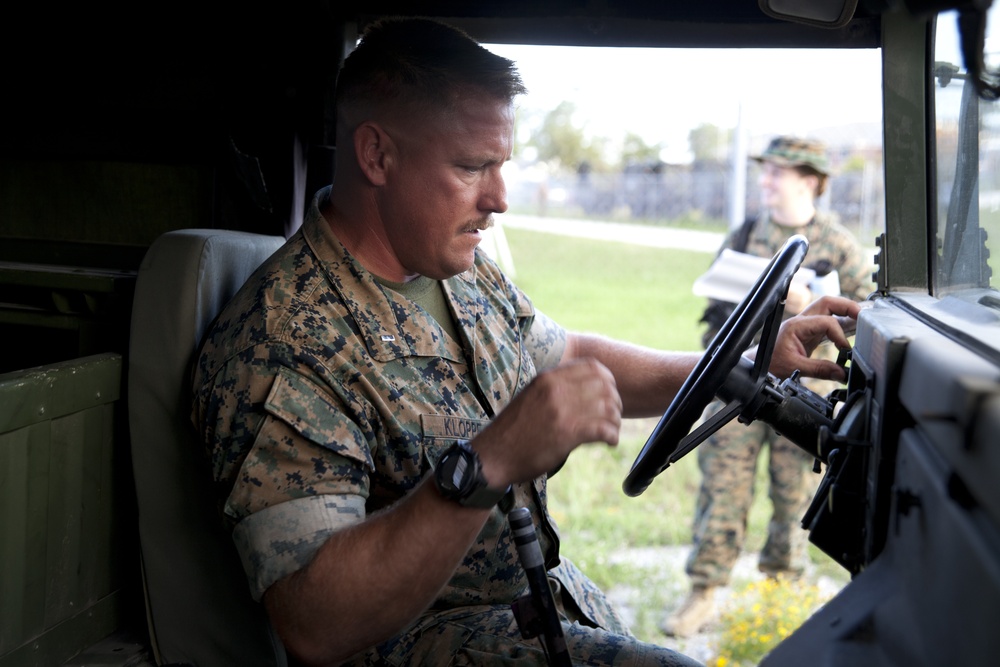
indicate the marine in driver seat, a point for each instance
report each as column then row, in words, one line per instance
column 378, row 347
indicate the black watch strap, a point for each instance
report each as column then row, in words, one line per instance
column 459, row 477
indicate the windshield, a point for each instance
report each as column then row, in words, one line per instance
column 967, row 131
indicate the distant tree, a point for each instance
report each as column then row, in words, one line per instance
column 709, row 143
column 560, row 142
column 635, row 150
column 855, row 163
column 523, row 121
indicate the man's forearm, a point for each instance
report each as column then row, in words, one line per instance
column 647, row 379
column 370, row 580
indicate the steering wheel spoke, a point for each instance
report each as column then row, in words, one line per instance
column 704, row 430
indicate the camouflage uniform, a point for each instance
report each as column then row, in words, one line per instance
column 324, row 397
column 728, row 458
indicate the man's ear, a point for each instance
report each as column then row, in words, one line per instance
column 373, row 148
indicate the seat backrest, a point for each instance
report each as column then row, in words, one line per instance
column 199, row 608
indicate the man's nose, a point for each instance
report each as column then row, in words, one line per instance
column 494, row 197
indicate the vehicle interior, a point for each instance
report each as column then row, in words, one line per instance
column 153, row 156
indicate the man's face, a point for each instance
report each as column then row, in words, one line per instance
column 444, row 185
column 783, row 188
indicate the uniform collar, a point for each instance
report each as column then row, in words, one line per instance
column 391, row 326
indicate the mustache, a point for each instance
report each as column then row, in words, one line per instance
column 480, row 225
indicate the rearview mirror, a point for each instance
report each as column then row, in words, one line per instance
column 822, row 13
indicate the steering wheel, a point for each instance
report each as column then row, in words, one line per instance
column 722, row 364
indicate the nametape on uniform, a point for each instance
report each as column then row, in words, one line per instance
column 445, row 426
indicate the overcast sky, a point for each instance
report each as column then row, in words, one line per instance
column 661, row 94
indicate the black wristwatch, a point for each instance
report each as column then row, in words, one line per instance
column 459, row 477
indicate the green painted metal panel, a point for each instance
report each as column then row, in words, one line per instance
column 98, row 562
column 42, row 394
column 63, row 277
column 64, row 518
column 80, row 630
column 58, row 479
column 14, row 540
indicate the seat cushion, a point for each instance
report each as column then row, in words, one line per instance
column 199, row 606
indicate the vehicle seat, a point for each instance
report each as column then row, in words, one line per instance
column 199, row 608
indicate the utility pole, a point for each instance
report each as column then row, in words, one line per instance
column 738, row 177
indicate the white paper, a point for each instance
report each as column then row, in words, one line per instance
column 733, row 274
column 828, row 285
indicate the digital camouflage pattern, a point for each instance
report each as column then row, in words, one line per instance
column 324, row 397
column 829, row 242
column 796, row 152
column 487, row 635
column 728, row 458
column 728, row 464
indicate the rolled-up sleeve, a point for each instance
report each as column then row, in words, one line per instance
column 279, row 540
column 545, row 341
column 305, row 478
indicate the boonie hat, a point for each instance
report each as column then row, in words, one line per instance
column 796, row 152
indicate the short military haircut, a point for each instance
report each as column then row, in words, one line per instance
column 417, row 65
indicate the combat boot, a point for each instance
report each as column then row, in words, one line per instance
column 697, row 611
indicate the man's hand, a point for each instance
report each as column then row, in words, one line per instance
column 575, row 403
column 829, row 317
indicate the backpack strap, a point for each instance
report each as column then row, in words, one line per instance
column 742, row 238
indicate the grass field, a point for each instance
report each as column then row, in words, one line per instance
column 642, row 295
column 630, row 292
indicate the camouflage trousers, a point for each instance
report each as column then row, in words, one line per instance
column 728, row 462
column 488, row 636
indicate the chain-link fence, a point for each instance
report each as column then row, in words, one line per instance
column 667, row 194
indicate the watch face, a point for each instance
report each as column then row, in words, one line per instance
column 458, row 476
column 456, row 469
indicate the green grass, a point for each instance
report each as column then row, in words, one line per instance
column 642, row 295
column 692, row 220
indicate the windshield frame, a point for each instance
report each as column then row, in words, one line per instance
column 904, row 257
column 912, row 270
